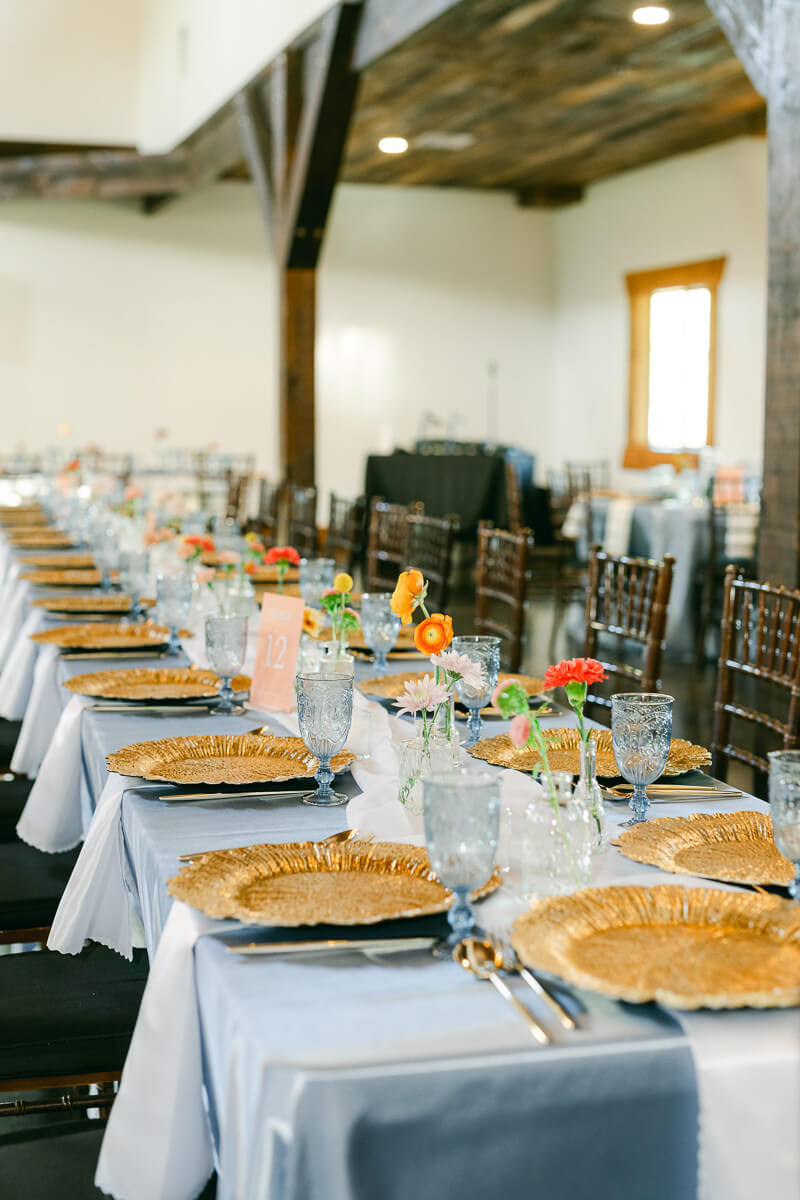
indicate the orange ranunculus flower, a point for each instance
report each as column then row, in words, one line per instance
column 409, row 590
column 434, row 634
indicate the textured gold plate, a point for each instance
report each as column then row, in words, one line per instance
column 70, row 579
column 682, row 947
column 308, row 883
column 152, row 683
column 735, row 847
column 104, row 637
column 25, row 518
column 221, row 758
column 390, row 687
column 99, row 602
column 59, row 562
column 40, row 540
column 564, row 754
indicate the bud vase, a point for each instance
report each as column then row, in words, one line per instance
column 418, row 758
column 587, row 792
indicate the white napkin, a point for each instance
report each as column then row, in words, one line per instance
column 51, row 819
column 618, row 527
column 747, row 1066
column 95, row 903
column 42, row 715
column 16, row 678
column 157, row 1144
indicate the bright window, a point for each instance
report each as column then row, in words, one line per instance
column 672, row 352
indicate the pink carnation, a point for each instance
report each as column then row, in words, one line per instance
column 519, row 731
column 204, row 574
column 185, row 550
column 229, row 557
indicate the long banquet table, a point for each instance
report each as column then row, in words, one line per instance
column 359, row 1078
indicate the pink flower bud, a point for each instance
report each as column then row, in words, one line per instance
column 519, row 731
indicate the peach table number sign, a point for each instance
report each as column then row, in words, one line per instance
column 276, row 655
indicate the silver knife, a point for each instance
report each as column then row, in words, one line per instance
column 375, row 945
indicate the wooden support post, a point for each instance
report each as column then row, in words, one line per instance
column 294, row 127
column 766, row 37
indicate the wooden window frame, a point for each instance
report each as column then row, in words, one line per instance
column 641, row 285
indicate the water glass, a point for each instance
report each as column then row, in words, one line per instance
column 106, row 554
column 134, row 572
column 174, row 604
column 485, row 651
column 462, row 817
column 315, row 575
column 379, row 625
column 784, row 803
column 556, row 841
column 641, row 731
column 324, row 710
column 226, row 647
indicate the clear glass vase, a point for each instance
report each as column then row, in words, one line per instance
column 556, row 842
column 418, row 758
column 336, row 660
column 587, row 792
column 445, row 728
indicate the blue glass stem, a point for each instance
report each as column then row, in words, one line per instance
column 225, row 703
column 794, row 886
column 460, row 915
column 323, row 777
column 639, row 803
column 174, row 643
column 105, row 580
column 380, row 662
column 474, row 723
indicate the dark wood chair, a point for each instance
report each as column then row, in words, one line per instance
column 265, row 522
column 344, row 541
column 514, row 505
column 711, row 581
column 301, row 520
column 430, row 549
column 758, row 676
column 387, row 543
column 501, row 585
column 627, row 600
column 236, row 503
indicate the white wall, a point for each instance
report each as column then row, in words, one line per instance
column 69, row 70
column 197, row 53
column 117, row 324
column 700, row 205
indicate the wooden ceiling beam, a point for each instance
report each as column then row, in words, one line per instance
column 742, row 22
column 388, row 23
column 93, row 174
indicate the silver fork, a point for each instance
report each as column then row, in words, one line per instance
column 510, row 962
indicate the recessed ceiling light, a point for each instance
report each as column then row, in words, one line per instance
column 651, row 14
column 393, row 145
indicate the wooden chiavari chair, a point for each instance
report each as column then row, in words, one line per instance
column 236, row 503
column 387, row 543
column 712, row 576
column 513, row 498
column 301, row 520
column 345, row 537
column 759, row 668
column 430, row 550
column 501, row 584
column 628, row 599
column 265, row 522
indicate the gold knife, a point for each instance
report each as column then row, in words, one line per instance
column 363, row 945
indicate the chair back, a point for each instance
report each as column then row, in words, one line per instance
column 301, row 520
column 236, row 504
column 501, row 582
column 345, row 537
column 758, row 675
column 628, row 598
column 265, row 522
column 430, row 550
column 387, row 543
column 513, row 498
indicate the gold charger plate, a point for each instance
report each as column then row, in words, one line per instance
column 89, row 605
column 67, row 578
column 105, row 637
column 308, row 883
column 26, row 518
column 222, row 758
column 152, row 683
column 59, row 562
column 682, row 947
column 390, row 687
column 734, row 847
column 40, row 540
column 564, row 754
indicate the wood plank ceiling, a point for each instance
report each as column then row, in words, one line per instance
column 555, row 93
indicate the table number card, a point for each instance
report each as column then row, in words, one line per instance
column 276, row 654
